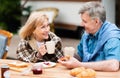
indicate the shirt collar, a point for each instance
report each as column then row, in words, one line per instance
column 95, row 35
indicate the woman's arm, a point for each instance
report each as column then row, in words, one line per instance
column 58, row 42
column 25, row 52
column 58, row 47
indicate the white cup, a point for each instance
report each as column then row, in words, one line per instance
column 69, row 51
column 50, row 45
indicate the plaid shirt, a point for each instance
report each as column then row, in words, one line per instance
column 27, row 50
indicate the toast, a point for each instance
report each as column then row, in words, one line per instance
column 18, row 64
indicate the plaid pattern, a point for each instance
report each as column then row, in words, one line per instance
column 26, row 51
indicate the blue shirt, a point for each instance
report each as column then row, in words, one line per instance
column 110, row 50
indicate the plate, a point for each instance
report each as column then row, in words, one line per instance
column 47, row 64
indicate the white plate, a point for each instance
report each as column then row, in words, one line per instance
column 47, row 64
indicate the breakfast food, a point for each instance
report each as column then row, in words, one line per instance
column 46, row 63
column 76, row 71
column 65, row 58
column 17, row 69
column 81, row 72
column 18, row 65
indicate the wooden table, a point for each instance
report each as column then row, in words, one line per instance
column 58, row 71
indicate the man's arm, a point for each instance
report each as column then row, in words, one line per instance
column 112, row 52
column 107, row 65
column 25, row 52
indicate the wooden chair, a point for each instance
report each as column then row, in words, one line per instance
column 52, row 13
column 8, row 35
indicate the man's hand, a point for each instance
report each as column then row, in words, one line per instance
column 71, row 63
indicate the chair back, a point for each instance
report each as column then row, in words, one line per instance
column 3, row 43
column 50, row 9
column 8, row 35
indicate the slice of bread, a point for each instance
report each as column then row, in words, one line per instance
column 18, row 64
column 17, row 69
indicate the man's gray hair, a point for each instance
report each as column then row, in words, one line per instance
column 95, row 10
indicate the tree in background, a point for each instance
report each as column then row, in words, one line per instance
column 10, row 14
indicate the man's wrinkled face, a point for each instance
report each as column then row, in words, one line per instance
column 91, row 25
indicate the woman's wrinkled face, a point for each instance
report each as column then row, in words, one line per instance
column 91, row 25
column 41, row 32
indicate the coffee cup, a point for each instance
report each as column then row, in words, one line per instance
column 50, row 45
column 69, row 51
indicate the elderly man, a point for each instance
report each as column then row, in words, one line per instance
column 99, row 47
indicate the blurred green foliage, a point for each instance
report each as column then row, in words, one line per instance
column 10, row 15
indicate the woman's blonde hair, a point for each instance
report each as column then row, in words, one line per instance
column 34, row 19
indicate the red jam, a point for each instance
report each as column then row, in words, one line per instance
column 46, row 63
column 37, row 71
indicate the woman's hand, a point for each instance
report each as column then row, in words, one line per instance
column 71, row 63
column 42, row 50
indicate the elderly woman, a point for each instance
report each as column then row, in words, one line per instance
column 34, row 34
